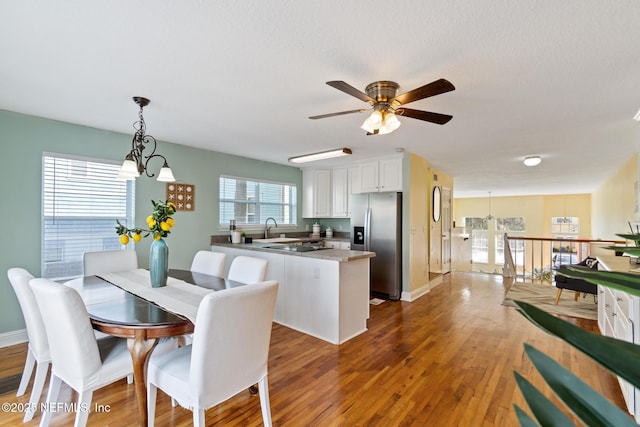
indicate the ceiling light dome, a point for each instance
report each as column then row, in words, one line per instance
column 532, row 160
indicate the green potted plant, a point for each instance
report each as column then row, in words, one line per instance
column 620, row 357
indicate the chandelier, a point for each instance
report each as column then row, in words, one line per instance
column 135, row 163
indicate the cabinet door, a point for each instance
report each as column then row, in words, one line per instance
column 340, row 193
column 390, row 178
column 354, row 181
column 369, row 177
column 322, row 193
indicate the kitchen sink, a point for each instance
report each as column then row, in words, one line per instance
column 297, row 248
column 277, row 240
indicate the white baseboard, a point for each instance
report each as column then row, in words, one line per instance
column 416, row 293
column 12, row 338
column 422, row 290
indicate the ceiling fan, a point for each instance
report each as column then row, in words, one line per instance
column 382, row 98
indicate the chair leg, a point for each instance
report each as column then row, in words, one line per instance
column 26, row 373
column 36, row 390
column 264, row 401
column 576, row 295
column 152, row 391
column 52, row 397
column 198, row 417
column 558, row 295
column 82, row 411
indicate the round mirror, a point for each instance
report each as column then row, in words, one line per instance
column 436, row 204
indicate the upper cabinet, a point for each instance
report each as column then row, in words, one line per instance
column 325, row 192
column 340, row 193
column 316, row 193
column 381, row 175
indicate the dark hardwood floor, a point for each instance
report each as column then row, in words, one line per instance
column 446, row 359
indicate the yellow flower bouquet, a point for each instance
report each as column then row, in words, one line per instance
column 159, row 222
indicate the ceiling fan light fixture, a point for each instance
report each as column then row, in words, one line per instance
column 321, row 155
column 373, row 122
column 532, row 160
column 390, row 124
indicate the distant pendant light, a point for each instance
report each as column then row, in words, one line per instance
column 489, row 217
column 135, row 163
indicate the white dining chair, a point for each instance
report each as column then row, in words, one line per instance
column 99, row 262
column 229, row 353
column 38, row 348
column 78, row 359
column 247, row 270
column 209, row 262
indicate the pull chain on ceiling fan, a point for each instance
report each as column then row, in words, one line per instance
column 386, row 105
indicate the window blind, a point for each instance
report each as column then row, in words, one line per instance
column 251, row 202
column 81, row 200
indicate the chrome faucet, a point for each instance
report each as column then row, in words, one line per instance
column 266, row 228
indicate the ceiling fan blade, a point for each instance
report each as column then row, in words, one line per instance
column 350, row 90
column 431, row 89
column 322, row 116
column 427, row 116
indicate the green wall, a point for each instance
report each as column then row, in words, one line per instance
column 24, row 138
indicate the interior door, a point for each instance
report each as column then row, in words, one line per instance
column 445, row 206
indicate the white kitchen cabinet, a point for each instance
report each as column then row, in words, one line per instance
column 316, row 193
column 339, row 193
column 322, row 297
column 381, row 175
column 354, row 181
column 618, row 316
column 337, row 244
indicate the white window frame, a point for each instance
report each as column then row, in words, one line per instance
column 81, row 200
column 285, row 210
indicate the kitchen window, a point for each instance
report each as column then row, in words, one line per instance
column 251, row 202
column 81, row 201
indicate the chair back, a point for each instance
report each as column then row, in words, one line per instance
column 247, row 270
column 209, row 262
column 231, row 341
column 74, row 351
column 36, row 332
column 109, row 261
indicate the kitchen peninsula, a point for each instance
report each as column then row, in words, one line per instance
column 323, row 293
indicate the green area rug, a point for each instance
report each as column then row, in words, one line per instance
column 543, row 296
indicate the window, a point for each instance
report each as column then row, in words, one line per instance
column 251, row 202
column 81, row 200
column 565, row 227
column 565, row 224
column 513, row 227
column 479, row 239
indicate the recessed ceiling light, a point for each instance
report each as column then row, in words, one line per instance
column 532, row 160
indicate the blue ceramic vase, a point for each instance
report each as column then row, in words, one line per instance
column 159, row 263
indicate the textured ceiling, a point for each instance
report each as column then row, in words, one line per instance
column 555, row 79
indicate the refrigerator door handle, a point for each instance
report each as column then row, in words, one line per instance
column 367, row 230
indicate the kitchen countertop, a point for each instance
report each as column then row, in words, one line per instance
column 341, row 255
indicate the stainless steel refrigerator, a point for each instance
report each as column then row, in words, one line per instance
column 376, row 225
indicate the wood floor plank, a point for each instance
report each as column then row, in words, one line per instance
column 446, row 359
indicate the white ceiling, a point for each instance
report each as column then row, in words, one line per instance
column 555, row 79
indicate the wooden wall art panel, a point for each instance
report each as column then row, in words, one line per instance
column 182, row 195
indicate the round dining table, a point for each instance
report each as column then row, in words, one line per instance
column 117, row 312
